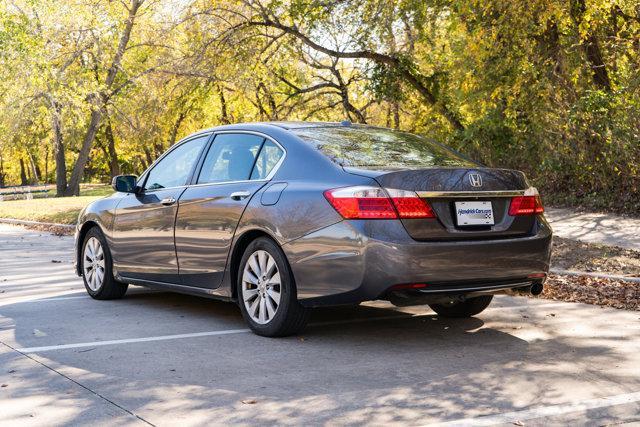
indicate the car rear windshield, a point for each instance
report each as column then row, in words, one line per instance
column 378, row 147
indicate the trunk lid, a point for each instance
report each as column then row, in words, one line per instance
column 446, row 188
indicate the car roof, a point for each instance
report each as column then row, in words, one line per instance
column 287, row 125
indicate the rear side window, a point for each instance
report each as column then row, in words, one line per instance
column 230, row 158
column 378, row 147
column 267, row 160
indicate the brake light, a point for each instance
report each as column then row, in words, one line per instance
column 409, row 205
column 526, row 205
column 364, row 202
column 361, row 203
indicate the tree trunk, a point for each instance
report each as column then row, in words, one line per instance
column 598, row 68
column 35, row 170
column 2, row 182
column 224, row 115
column 591, row 47
column 58, row 148
column 23, row 173
column 396, row 115
column 147, row 155
column 98, row 102
column 46, row 164
column 114, row 166
column 73, row 187
column 176, row 127
column 143, row 162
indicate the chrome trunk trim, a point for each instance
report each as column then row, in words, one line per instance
column 469, row 194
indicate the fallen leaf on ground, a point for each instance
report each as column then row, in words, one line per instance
column 592, row 290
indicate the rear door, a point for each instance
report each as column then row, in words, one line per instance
column 235, row 167
column 143, row 233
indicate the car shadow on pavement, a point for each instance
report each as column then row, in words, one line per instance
column 351, row 365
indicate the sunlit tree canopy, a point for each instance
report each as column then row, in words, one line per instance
column 93, row 88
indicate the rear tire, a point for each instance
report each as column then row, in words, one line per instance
column 467, row 308
column 267, row 292
column 97, row 268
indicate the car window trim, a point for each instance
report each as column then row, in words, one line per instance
column 175, row 146
column 255, row 161
column 269, row 177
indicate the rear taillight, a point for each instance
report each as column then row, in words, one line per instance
column 409, row 205
column 363, row 202
column 526, row 205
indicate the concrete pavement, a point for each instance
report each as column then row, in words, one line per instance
column 606, row 229
column 165, row 359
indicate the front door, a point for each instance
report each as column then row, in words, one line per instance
column 236, row 166
column 143, row 231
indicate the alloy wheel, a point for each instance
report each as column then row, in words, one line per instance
column 261, row 287
column 93, row 264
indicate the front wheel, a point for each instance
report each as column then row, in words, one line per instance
column 469, row 307
column 97, row 268
column 266, row 291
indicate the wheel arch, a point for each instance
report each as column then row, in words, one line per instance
column 239, row 247
column 88, row 225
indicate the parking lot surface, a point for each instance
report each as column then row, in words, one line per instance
column 166, row 359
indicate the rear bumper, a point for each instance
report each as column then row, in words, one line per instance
column 354, row 261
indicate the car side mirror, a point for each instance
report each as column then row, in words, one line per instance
column 124, row 183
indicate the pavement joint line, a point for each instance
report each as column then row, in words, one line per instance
column 543, row 411
column 131, row 340
column 226, row 332
column 78, row 384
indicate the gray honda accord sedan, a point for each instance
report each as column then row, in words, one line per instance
column 284, row 216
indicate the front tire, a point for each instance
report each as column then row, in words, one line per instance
column 97, row 268
column 467, row 308
column 266, row 291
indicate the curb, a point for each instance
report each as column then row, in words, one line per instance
column 600, row 275
column 44, row 224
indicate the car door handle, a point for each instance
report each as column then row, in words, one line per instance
column 239, row 195
column 168, row 201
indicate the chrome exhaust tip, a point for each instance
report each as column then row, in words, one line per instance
column 536, row 289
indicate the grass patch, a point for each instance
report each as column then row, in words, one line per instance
column 101, row 190
column 62, row 210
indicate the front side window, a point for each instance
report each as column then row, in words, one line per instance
column 378, row 147
column 175, row 168
column 230, row 158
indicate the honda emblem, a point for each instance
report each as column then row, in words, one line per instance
column 475, row 180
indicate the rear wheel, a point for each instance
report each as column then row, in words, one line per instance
column 469, row 307
column 97, row 268
column 266, row 291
